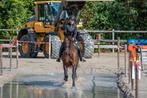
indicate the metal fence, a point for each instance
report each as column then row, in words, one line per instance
column 95, row 33
column 113, row 34
column 8, row 55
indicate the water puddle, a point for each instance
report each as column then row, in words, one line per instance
column 49, row 88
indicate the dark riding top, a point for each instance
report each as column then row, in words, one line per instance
column 70, row 30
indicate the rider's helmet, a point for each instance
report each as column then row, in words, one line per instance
column 72, row 19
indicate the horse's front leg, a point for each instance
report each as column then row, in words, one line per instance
column 76, row 77
column 73, row 75
column 65, row 73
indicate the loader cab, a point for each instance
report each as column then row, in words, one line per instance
column 46, row 12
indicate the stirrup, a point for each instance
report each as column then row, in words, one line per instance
column 58, row 60
column 83, row 60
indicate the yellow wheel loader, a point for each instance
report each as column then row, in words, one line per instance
column 48, row 20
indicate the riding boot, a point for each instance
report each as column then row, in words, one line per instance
column 80, row 55
column 60, row 53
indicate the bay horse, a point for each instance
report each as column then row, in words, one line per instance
column 70, row 59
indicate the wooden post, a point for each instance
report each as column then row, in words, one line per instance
column 113, row 38
column 125, row 60
column 132, row 80
column 136, row 80
column 1, row 63
column 118, row 52
column 10, row 54
column 99, row 50
column 129, row 72
column 17, row 57
column 49, row 46
column 98, row 37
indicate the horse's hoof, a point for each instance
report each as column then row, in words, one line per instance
column 65, row 80
column 73, row 88
column 58, row 60
column 83, row 60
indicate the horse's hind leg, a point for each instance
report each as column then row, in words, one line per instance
column 65, row 73
column 76, row 77
column 73, row 75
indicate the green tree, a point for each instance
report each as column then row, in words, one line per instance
column 119, row 15
column 13, row 13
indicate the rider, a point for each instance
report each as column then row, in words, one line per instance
column 70, row 30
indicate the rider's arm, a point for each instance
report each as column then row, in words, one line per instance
column 75, row 33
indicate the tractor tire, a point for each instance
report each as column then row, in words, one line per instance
column 27, row 49
column 46, row 47
column 55, row 46
column 88, row 45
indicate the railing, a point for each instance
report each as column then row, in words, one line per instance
column 113, row 37
column 9, row 48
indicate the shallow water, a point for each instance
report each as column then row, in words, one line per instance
column 54, row 89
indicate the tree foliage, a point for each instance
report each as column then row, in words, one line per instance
column 119, row 15
column 14, row 12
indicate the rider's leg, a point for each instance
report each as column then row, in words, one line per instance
column 60, row 52
column 80, row 53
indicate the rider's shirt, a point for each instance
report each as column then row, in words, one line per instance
column 70, row 30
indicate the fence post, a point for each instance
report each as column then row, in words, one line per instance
column 113, row 38
column 125, row 59
column 49, row 46
column 17, row 44
column 132, row 80
column 99, row 50
column 1, row 63
column 98, row 37
column 10, row 54
column 137, row 80
column 118, row 52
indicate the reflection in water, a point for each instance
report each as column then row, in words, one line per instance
column 1, row 92
column 16, row 90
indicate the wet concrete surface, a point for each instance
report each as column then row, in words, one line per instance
column 53, row 86
column 43, row 78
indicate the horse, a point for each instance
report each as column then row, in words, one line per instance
column 70, row 59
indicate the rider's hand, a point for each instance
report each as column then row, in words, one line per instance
column 73, row 39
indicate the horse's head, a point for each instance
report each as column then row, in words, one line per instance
column 69, row 41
